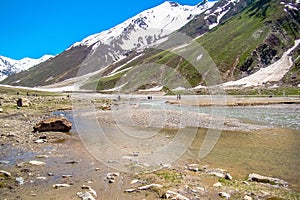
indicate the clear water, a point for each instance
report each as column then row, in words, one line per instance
column 278, row 115
column 283, row 115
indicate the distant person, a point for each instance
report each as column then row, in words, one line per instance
column 178, row 97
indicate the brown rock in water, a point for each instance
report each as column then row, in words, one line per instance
column 53, row 124
column 23, row 102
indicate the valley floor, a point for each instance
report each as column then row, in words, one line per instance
column 67, row 158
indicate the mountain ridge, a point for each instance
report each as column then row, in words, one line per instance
column 147, row 28
column 10, row 66
column 242, row 36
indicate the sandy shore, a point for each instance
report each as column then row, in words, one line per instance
column 67, row 161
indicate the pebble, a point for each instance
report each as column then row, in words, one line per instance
column 113, row 161
column 111, row 176
column 218, row 184
column 20, row 164
column 5, row 173
column 245, row 182
column 91, row 190
column 42, row 156
column 228, row 176
column 1, row 110
column 136, row 181
column 41, row 178
column 72, row 162
column 147, row 187
column 193, row 167
column 224, row 195
column 248, row 197
column 36, row 163
column 40, row 141
column 60, row 185
column 67, row 176
column 130, row 190
column 175, row 195
column 85, row 196
column 20, row 180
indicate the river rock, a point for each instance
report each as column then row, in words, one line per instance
column 1, row 110
column 218, row 184
column 36, row 163
column 23, row 102
column 147, row 187
column 20, row 180
column 220, row 173
column 66, row 176
column 85, row 195
column 91, row 190
column 105, row 107
column 174, row 195
column 5, row 173
column 193, row 167
column 246, row 197
column 111, row 177
column 228, row 176
column 224, row 195
column 53, row 124
column 60, row 185
column 130, row 190
column 265, row 179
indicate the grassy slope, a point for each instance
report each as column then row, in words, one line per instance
column 231, row 44
column 254, row 38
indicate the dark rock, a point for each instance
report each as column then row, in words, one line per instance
column 53, row 124
column 25, row 170
column 72, row 162
column 23, row 102
column 224, row 195
column 228, row 176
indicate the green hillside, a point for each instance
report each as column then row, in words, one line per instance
column 254, row 38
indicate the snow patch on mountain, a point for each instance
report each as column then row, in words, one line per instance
column 10, row 66
column 272, row 73
column 219, row 12
column 147, row 27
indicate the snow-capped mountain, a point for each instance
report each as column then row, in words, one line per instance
column 100, row 50
column 147, row 27
column 150, row 27
column 10, row 66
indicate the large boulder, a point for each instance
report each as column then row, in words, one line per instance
column 53, row 124
column 266, row 179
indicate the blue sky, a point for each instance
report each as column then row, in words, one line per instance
column 33, row 28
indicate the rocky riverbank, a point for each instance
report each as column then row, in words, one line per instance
column 56, row 165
